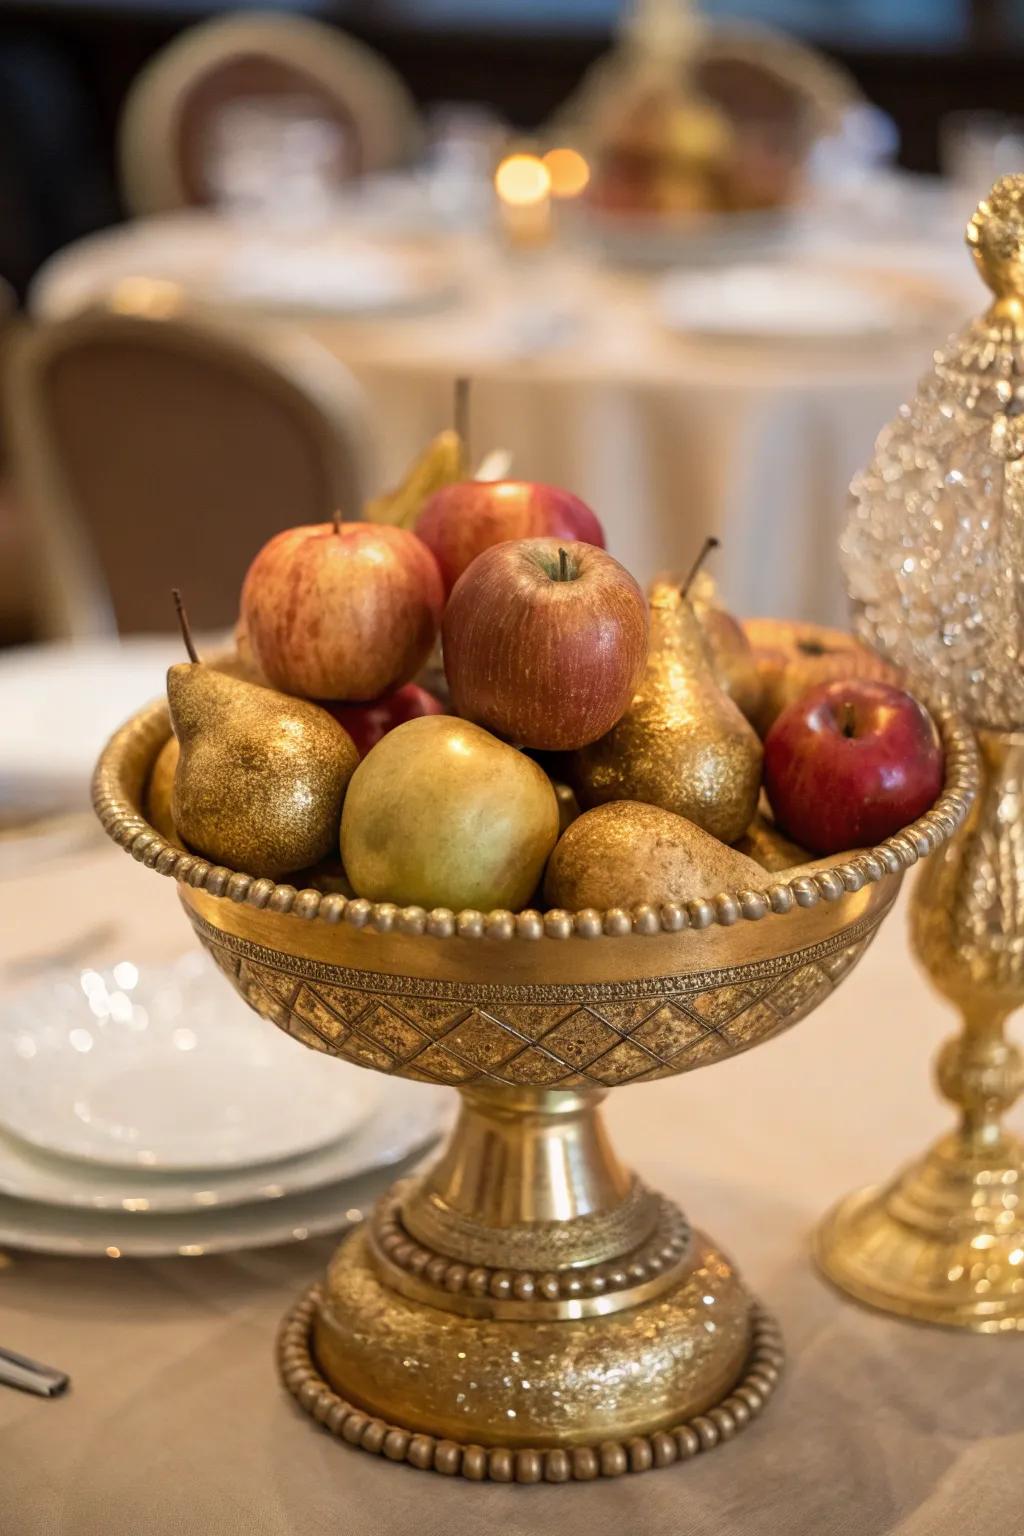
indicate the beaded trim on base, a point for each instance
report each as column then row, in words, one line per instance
column 666, row 1246
column 506, row 1464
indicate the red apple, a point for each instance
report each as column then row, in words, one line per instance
column 850, row 763
column 545, row 642
column 460, row 521
column 367, row 723
column 341, row 611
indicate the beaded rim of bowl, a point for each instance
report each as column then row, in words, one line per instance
column 147, row 731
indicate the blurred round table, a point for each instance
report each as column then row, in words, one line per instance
column 668, row 436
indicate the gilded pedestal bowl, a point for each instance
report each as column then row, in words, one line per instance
column 527, row 1309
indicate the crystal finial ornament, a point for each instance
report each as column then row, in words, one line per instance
column 934, row 560
column 934, row 549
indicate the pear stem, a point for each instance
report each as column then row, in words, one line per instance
column 186, row 628
column 710, row 543
column 460, row 415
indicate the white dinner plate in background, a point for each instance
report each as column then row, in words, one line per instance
column 116, row 1235
column 801, row 304
column 407, row 1116
column 59, row 704
column 166, row 1068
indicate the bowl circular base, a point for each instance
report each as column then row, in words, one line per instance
column 717, row 1391
column 872, row 1254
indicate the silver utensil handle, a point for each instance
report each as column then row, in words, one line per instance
column 30, row 1375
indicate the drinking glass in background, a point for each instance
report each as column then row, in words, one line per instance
column 464, row 144
column 976, row 148
column 277, row 160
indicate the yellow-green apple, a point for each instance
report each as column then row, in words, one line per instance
column 441, row 814
column 544, row 642
column 460, row 521
column 367, row 723
column 341, row 610
column 850, row 763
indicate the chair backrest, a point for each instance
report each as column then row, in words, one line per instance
column 164, row 130
column 760, row 77
column 158, row 452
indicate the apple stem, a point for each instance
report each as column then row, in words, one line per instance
column 710, row 543
column 849, row 719
column 186, row 628
column 337, row 519
column 563, row 565
column 460, row 415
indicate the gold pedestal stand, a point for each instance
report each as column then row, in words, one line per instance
column 527, row 1309
column 944, row 1243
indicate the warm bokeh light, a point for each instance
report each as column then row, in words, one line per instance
column 522, row 180
column 568, row 170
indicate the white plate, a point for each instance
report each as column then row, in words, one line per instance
column 95, row 1234
column 59, row 704
column 208, row 259
column 166, row 1068
column 793, row 303
column 408, row 1116
column 653, row 240
column 346, row 279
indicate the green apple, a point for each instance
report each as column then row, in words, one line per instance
column 440, row 813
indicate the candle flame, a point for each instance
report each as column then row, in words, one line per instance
column 568, row 170
column 522, row 181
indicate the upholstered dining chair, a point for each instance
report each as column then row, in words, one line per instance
column 165, row 124
column 154, row 450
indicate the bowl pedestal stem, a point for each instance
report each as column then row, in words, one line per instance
column 944, row 1242
column 527, row 1309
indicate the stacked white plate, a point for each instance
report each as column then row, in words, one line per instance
column 147, row 1111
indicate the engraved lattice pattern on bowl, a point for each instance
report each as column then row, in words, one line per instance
column 535, row 1036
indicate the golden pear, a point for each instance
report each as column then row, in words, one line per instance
column 440, row 813
column 682, row 743
column 731, row 653
column 732, row 658
column 767, row 846
column 441, row 463
column 161, row 788
column 261, row 776
column 626, row 853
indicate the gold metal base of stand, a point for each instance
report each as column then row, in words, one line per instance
column 943, row 1244
column 513, row 1463
column 528, row 1304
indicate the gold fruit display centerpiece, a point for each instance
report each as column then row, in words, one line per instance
column 525, row 1309
column 933, row 563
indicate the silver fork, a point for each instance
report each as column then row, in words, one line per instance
column 30, row 1376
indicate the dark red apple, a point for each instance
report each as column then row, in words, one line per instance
column 545, row 642
column 342, row 610
column 460, row 521
column 850, row 763
column 367, row 723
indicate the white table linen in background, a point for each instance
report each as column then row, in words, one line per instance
column 667, row 437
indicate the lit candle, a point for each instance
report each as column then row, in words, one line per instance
column 569, row 172
column 523, row 185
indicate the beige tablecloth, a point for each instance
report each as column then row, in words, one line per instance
column 176, row 1426
column 668, row 438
